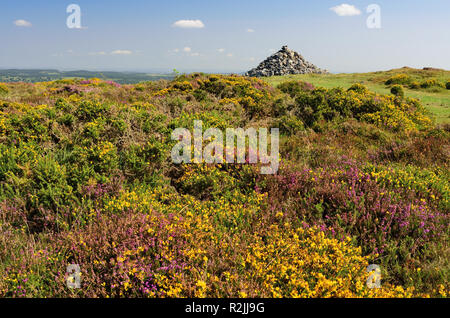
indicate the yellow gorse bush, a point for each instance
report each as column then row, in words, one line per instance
column 3, row 88
column 297, row 262
column 281, row 261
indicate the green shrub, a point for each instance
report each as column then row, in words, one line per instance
column 204, row 181
column 200, row 95
column 94, row 129
column 307, row 106
column 29, row 126
column 289, row 125
column 359, row 88
column 184, row 86
column 89, row 110
column 63, row 105
column 399, row 79
column 414, row 85
column 431, row 83
column 8, row 161
column 397, row 90
column 397, row 113
column 3, row 89
column 104, row 158
column 49, row 184
column 176, row 104
column 139, row 162
column 66, row 119
column 447, row 85
column 294, row 88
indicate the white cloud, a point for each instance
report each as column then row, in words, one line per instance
column 22, row 23
column 98, row 53
column 121, row 52
column 221, row 50
column 250, row 30
column 230, row 55
column 252, row 59
column 189, row 24
column 187, row 50
column 345, row 9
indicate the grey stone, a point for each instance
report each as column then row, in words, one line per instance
column 284, row 62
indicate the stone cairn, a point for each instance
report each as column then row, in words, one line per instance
column 284, row 62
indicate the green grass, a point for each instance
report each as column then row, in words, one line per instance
column 436, row 100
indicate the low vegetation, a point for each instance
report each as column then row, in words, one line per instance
column 429, row 85
column 86, row 178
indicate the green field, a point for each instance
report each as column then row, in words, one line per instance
column 34, row 76
column 435, row 99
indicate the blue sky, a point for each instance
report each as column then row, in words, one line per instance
column 138, row 35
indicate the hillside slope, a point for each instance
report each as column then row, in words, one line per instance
column 434, row 97
column 87, row 179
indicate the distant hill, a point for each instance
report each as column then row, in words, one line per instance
column 32, row 76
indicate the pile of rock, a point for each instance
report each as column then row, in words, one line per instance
column 284, row 62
